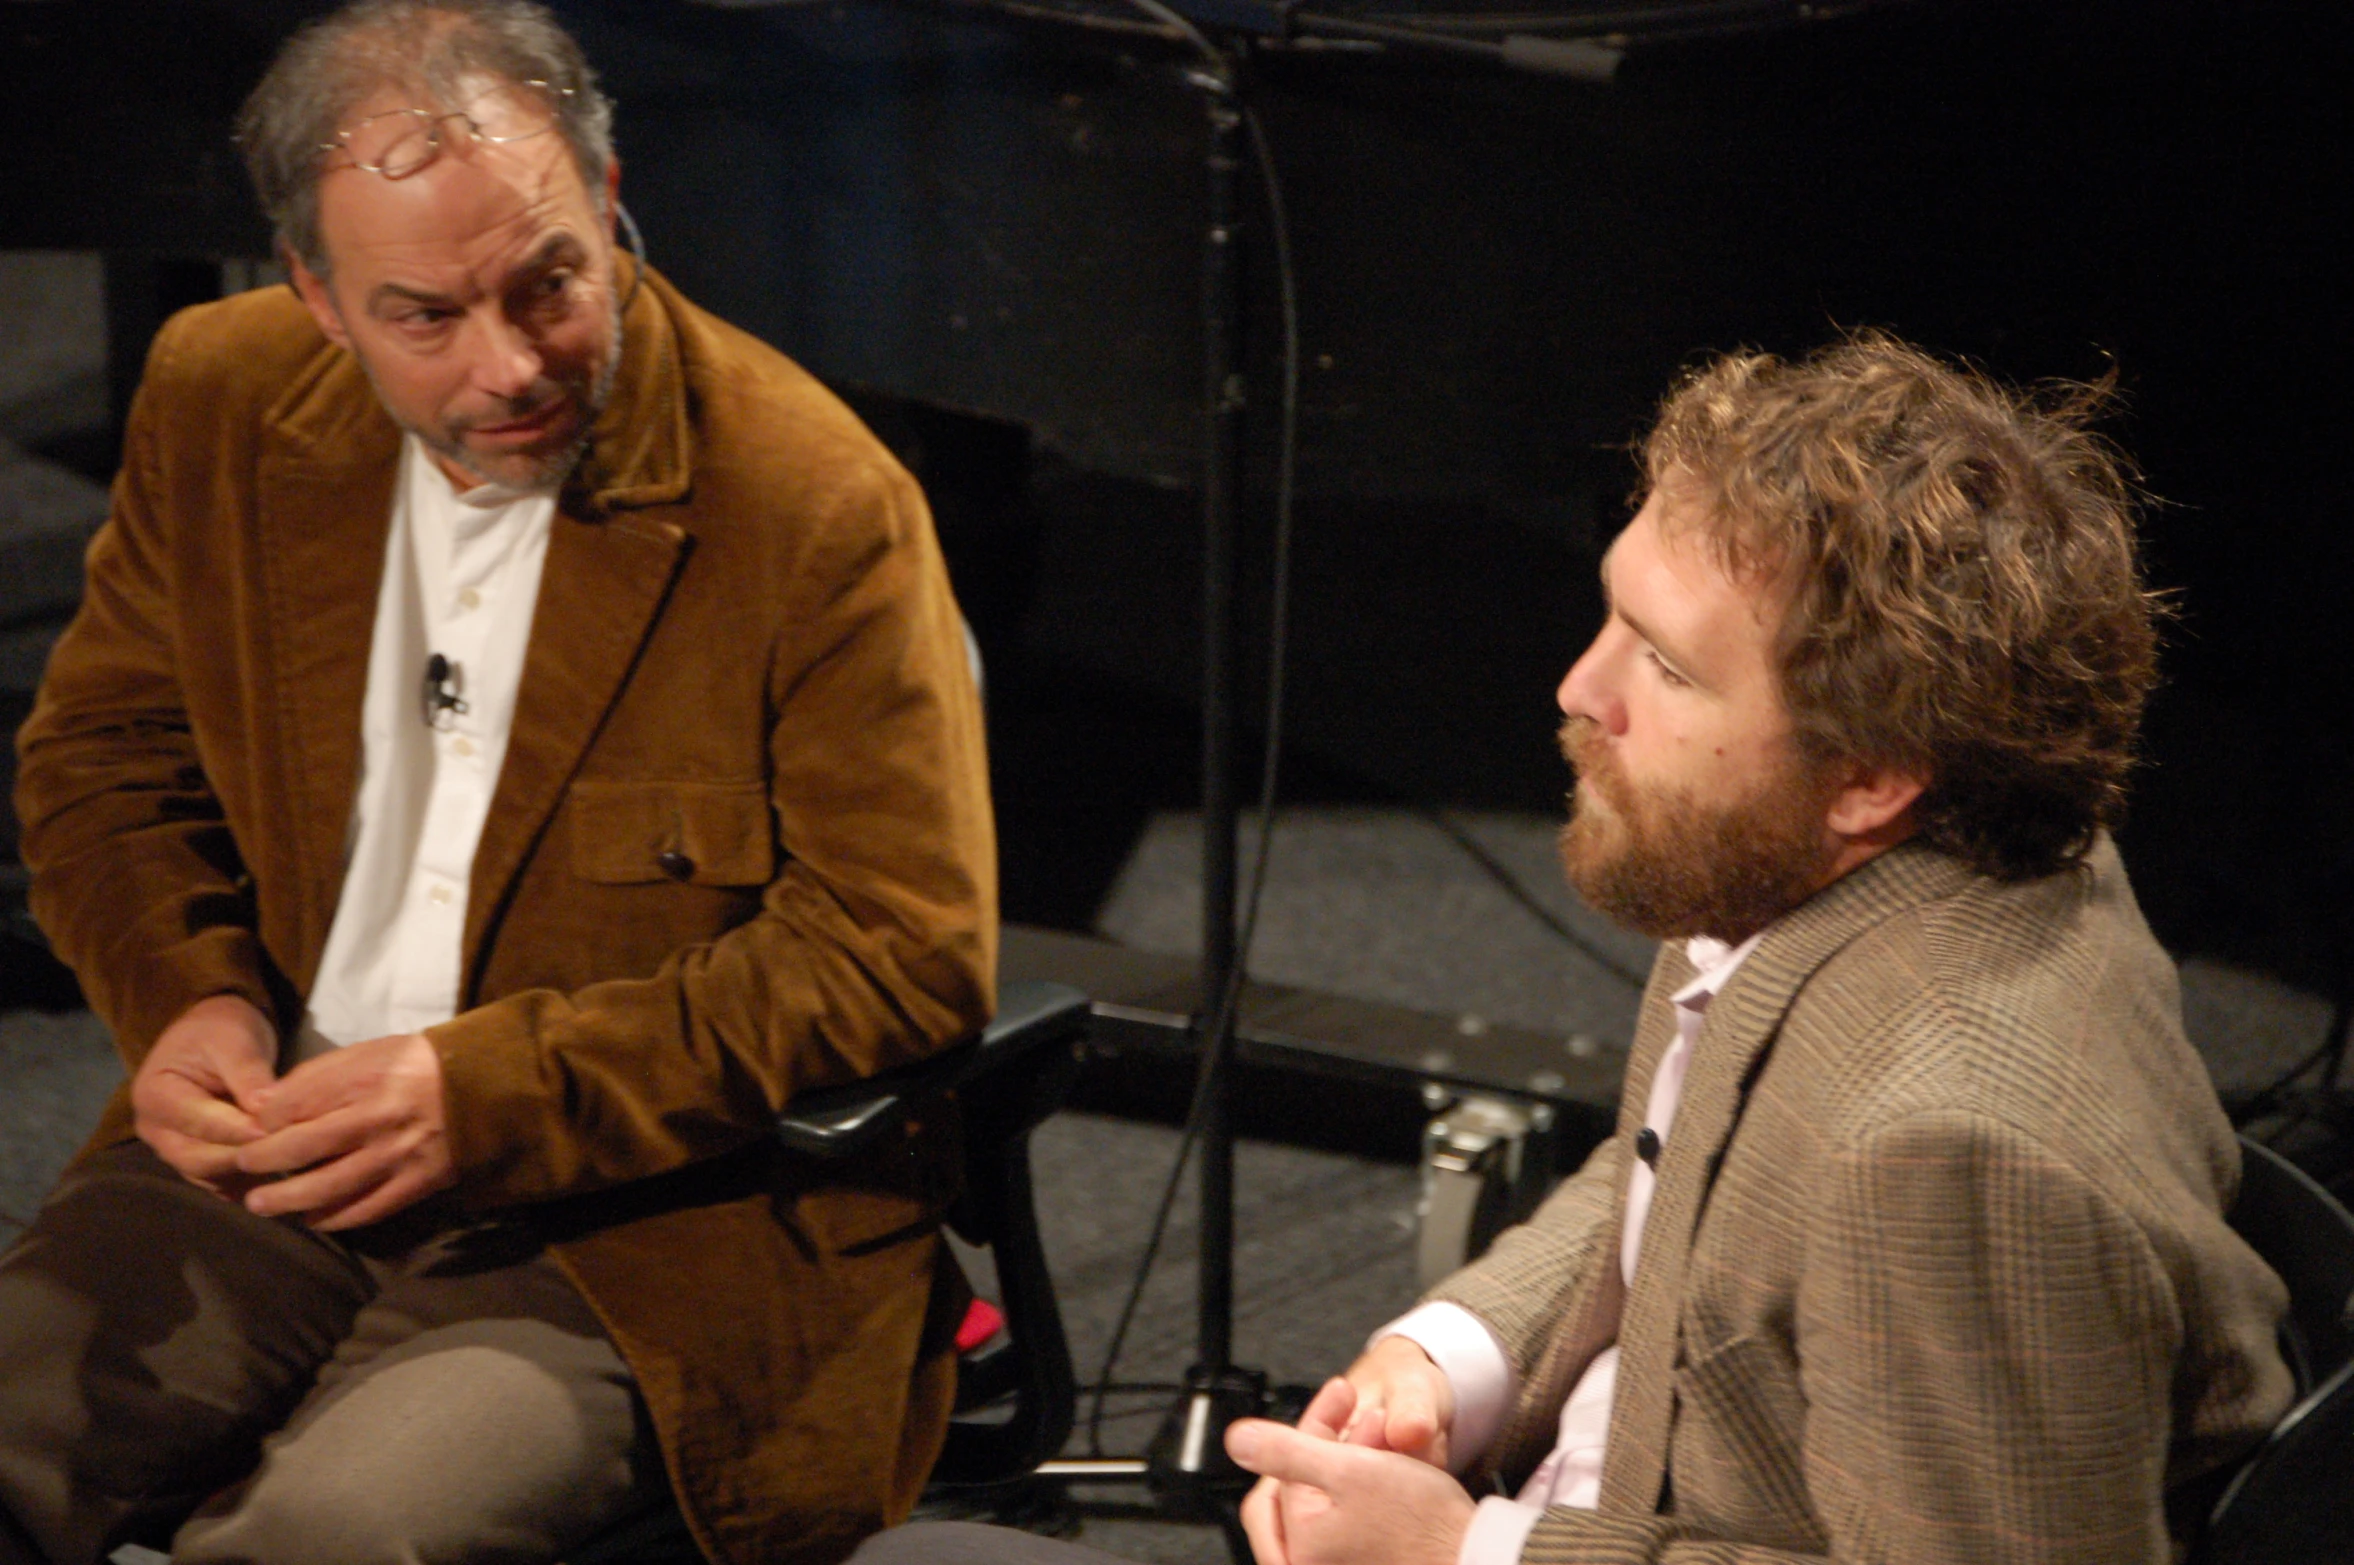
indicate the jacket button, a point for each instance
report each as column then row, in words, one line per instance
column 1647, row 1145
column 675, row 864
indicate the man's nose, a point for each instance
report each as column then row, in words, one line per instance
column 507, row 362
column 1590, row 690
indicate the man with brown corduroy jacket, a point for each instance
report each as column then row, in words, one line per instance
column 517, row 734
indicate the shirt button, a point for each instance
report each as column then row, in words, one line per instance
column 461, row 746
column 469, row 599
column 439, row 896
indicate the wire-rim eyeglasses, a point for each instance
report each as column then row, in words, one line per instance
column 399, row 142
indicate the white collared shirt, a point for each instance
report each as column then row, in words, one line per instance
column 1477, row 1370
column 461, row 579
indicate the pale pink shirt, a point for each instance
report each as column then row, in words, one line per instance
column 1482, row 1377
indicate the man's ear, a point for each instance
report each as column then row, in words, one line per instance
column 1875, row 804
column 612, row 201
column 313, row 292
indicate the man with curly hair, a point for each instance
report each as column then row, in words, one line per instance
column 1909, row 1245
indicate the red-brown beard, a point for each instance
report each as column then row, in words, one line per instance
column 1661, row 863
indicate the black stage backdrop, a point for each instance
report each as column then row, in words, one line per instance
column 1498, row 273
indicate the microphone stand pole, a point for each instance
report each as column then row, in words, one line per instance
column 1188, row 1461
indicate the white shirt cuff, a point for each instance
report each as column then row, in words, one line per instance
column 1467, row 1353
column 1498, row 1532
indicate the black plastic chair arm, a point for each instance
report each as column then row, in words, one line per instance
column 2292, row 1501
column 1015, row 1074
column 836, row 1121
column 2307, row 1237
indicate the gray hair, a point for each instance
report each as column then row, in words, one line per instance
column 423, row 47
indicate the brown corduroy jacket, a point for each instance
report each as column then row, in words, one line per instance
column 745, row 652
column 1935, row 1271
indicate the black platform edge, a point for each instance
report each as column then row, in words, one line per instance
column 1314, row 1069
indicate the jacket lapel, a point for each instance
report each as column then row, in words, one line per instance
column 1734, row 1040
column 1591, row 1319
column 324, row 507
column 601, row 590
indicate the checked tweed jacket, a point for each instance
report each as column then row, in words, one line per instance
column 1936, row 1270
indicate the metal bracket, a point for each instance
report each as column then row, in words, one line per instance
column 1486, row 1163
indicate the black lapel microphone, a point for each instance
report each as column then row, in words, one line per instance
column 440, row 693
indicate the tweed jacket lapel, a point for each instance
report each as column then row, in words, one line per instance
column 323, row 508
column 601, row 590
column 1739, row 1030
column 1591, row 1318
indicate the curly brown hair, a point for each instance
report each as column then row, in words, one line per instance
column 1966, row 603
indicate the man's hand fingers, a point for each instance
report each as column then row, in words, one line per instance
column 1262, row 1523
column 169, row 1102
column 360, row 1131
column 305, row 1144
column 245, row 1073
column 335, row 1185
column 1264, row 1447
column 201, row 1080
column 1403, row 1400
column 1413, row 1421
column 311, row 1089
column 401, row 1069
column 1329, row 1412
column 202, row 1118
column 1343, row 1504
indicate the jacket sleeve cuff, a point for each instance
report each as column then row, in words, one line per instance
column 220, row 960
column 504, row 1143
column 1499, row 1529
column 1478, row 1372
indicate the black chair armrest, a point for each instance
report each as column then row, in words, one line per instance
column 836, row 1121
column 1015, row 1074
column 2292, row 1501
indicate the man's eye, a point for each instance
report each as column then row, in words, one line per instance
column 1674, row 679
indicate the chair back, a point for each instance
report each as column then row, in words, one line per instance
column 2292, row 1502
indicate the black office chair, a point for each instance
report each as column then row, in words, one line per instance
column 2292, row 1502
column 1015, row 1393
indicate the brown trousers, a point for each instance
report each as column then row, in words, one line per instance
column 173, row 1367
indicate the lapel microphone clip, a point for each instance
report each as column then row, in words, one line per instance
column 440, row 693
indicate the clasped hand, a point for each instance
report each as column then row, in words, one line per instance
column 342, row 1140
column 1361, row 1481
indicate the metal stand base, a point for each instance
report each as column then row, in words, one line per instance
column 1190, row 1472
column 1188, row 1456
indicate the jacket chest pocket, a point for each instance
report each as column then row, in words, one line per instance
column 1736, row 1450
column 692, row 833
